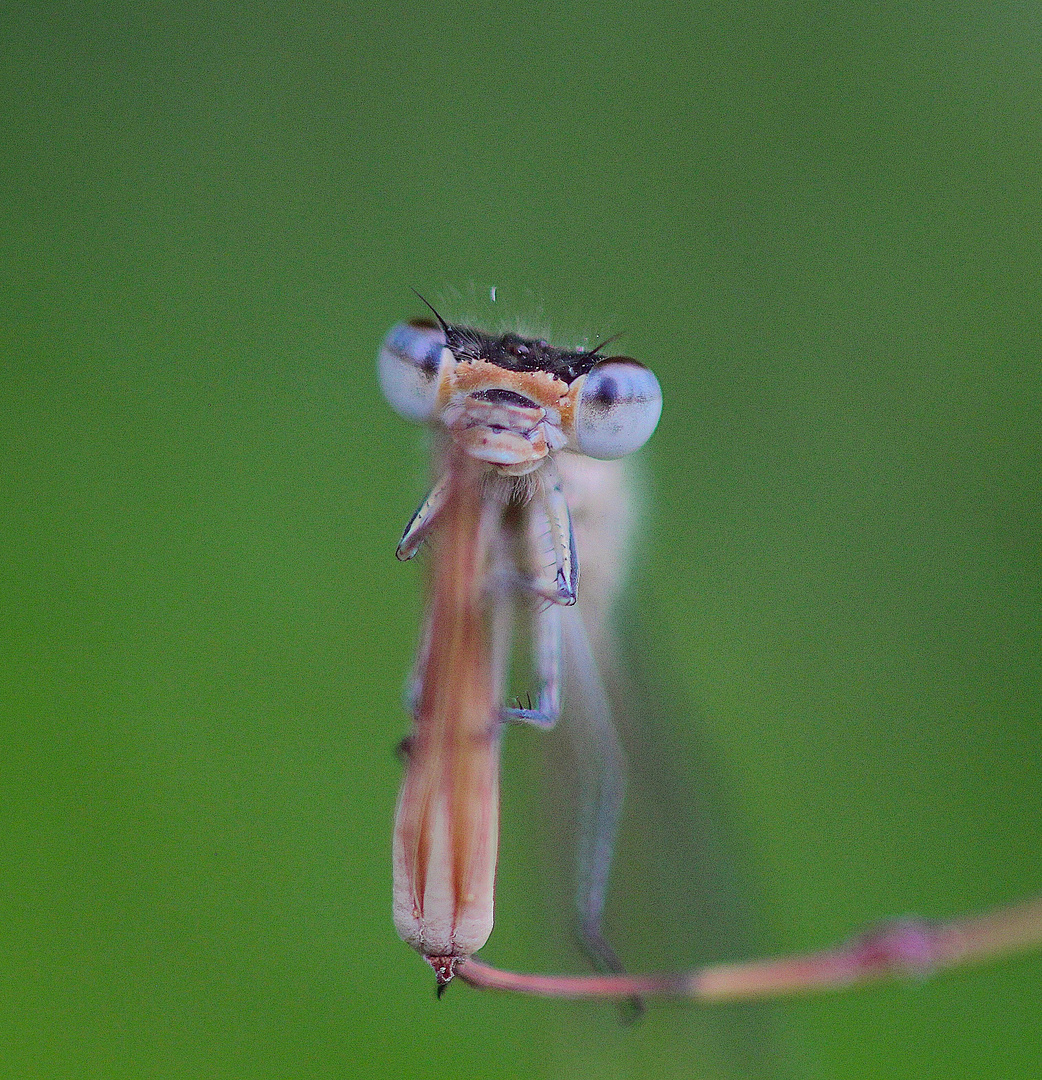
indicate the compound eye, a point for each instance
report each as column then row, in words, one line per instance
column 618, row 407
column 409, row 368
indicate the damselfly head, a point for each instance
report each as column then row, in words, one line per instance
column 512, row 401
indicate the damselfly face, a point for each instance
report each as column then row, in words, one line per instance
column 511, row 401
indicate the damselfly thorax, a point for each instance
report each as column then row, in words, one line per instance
column 520, row 428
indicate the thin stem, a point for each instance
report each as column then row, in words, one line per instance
column 909, row 947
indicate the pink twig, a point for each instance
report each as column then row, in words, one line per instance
column 909, row 947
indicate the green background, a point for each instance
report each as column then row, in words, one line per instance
column 819, row 223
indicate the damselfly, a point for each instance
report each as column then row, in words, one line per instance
column 526, row 442
column 521, row 429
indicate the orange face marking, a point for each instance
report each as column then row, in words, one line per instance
column 541, row 387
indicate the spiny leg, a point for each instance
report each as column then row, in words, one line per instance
column 551, row 546
column 559, row 539
column 421, row 523
column 546, row 658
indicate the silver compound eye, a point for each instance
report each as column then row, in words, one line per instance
column 409, row 368
column 618, row 407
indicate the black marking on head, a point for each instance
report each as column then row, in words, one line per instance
column 504, row 397
column 516, row 353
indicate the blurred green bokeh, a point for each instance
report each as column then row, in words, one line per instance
column 819, row 223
